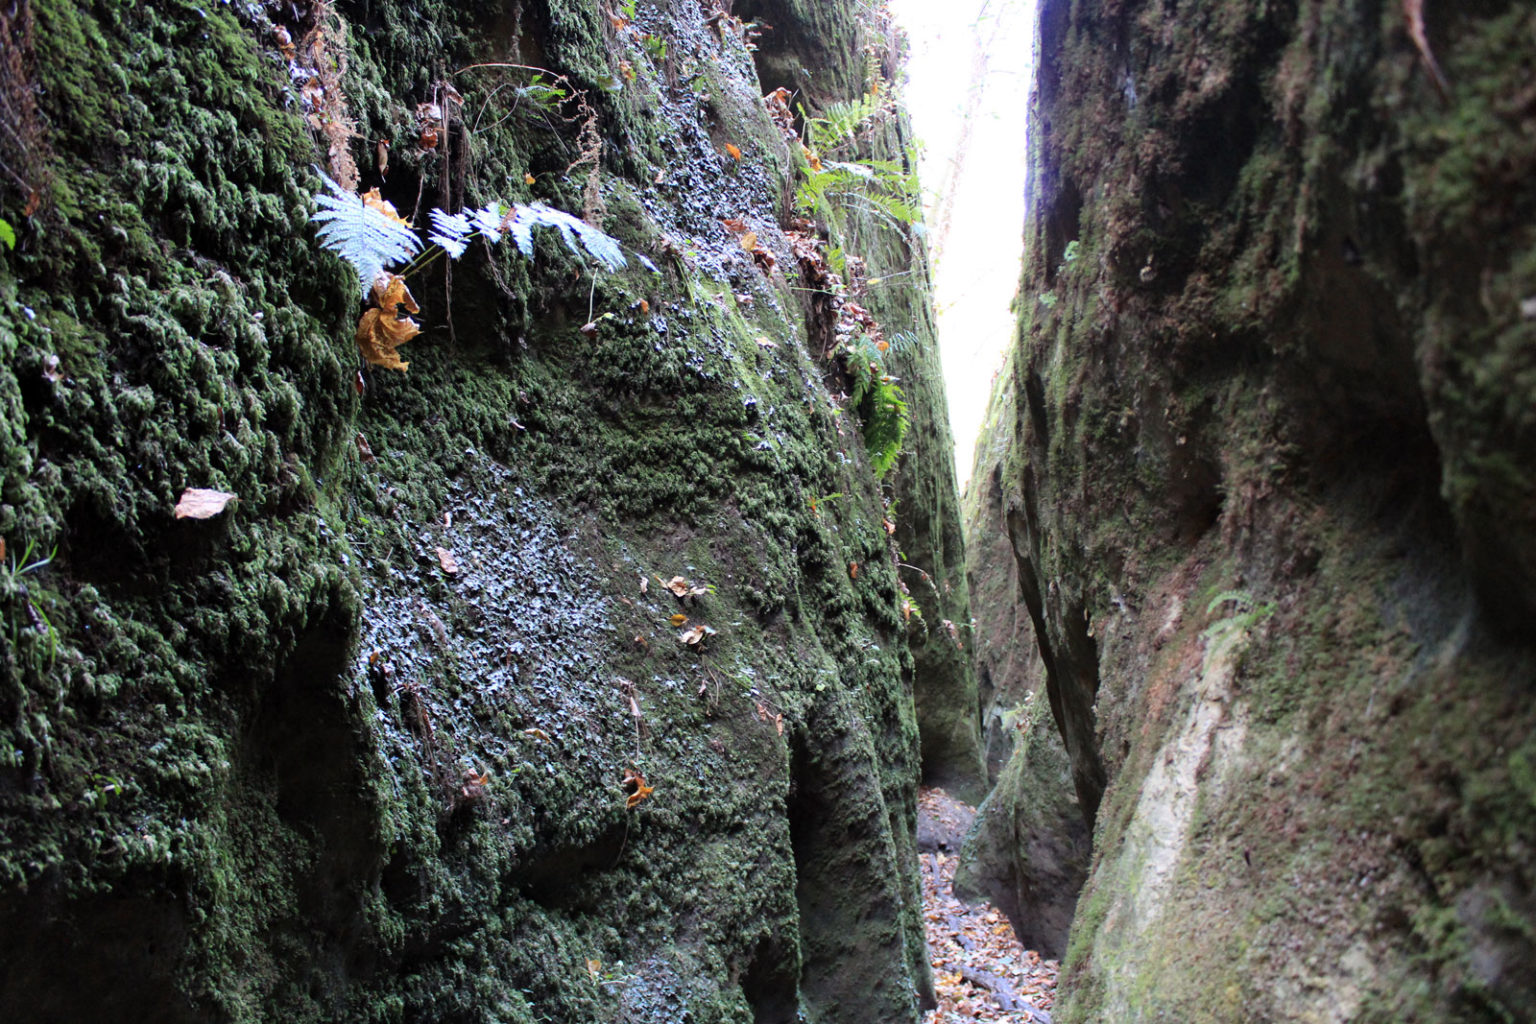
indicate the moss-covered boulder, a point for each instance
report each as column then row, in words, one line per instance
column 534, row 683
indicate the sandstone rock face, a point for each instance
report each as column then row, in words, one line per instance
column 364, row 745
column 1270, row 494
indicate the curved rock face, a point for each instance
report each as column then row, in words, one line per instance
column 1271, row 497
column 563, row 677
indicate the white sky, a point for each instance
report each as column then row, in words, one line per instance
column 967, row 90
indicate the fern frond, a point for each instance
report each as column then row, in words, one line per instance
column 361, row 235
column 523, row 219
column 451, row 231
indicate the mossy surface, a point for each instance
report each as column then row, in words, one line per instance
column 355, row 748
column 1261, row 352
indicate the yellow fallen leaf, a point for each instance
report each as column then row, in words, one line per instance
column 529, row 179
column 678, row 619
column 749, row 241
column 733, row 150
column 201, row 503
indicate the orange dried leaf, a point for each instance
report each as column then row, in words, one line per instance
column 634, row 785
column 529, row 179
column 735, row 225
column 383, row 330
column 733, row 150
column 853, row 570
column 372, row 199
column 538, row 734
column 201, row 503
column 678, row 619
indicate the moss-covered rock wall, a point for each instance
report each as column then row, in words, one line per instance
column 363, row 746
column 1270, row 494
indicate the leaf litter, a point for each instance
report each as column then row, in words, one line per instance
column 981, row 972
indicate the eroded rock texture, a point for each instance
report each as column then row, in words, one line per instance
column 1271, row 498
column 355, row 749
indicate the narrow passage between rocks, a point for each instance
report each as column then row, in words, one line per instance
column 980, row 969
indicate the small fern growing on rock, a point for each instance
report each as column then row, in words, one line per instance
column 367, row 232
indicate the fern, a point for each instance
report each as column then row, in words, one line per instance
column 360, row 234
column 371, row 241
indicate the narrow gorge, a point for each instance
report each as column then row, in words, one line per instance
column 479, row 538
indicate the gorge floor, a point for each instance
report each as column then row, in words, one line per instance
column 981, row 972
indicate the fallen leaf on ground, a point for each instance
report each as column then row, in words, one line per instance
column 694, row 635
column 765, row 343
column 447, row 561
column 201, row 503
column 733, row 150
column 678, row 619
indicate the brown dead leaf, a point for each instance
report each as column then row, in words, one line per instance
column 1413, row 10
column 538, row 734
column 201, row 503
column 51, row 369
column 634, row 785
column 695, row 634
column 358, row 384
column 529, row 179
column 765, row 343
column 677, row 585
column 447, row 561
column 2, row 549
column 749, row 241
column 382, row 329
column 853, row 570
column 364, row 449
column 371, row 198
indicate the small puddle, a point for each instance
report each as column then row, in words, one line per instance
column 980, row 970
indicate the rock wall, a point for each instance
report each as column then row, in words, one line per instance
column 1028, row 849
column 1270, row 491
column 363, row 746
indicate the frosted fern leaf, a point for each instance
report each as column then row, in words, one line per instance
column 361, row 235
column 451, row 231
column 525, row 218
